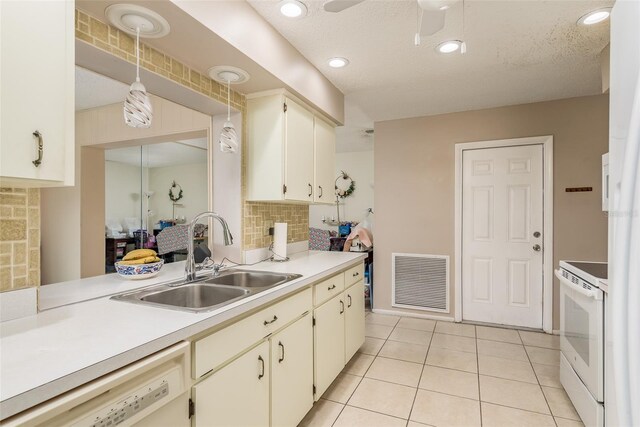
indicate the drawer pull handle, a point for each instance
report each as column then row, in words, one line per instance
column 268, row 322
column 356, row 274
column 332, row 287
column 261, row 374
column 37, row 162
column 281, row 359
column 349, row 305
column 342, row 306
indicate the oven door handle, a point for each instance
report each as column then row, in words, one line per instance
column 587, row 293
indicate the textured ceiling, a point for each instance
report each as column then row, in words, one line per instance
column 95, row 90
column 518, row 52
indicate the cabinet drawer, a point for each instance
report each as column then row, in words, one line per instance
column 210, row 352
column 354, row 274
column 323, row 291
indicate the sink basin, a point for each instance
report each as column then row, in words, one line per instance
column 196, row 296
column 207, row 293
column 251, row 279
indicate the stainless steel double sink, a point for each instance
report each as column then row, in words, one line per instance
column 207, row 293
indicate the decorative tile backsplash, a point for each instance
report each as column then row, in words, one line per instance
column 256, row 215
column 19, row 238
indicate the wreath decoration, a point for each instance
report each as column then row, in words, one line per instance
column 172, row 194
column 341, row 192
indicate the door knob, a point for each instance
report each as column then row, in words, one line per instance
column 536, row 248
column 536, row 234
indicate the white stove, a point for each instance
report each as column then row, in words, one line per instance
column 582, row 337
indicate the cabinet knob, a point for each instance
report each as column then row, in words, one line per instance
column 37, row 162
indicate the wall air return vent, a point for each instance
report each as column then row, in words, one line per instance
column 420, row 282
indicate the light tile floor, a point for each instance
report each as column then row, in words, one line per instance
column 414, row 372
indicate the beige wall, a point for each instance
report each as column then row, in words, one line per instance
column 414, row 175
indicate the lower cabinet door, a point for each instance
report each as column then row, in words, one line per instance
column 354, row 319
column 292, row 373
column 236, row 395
column 328, row 335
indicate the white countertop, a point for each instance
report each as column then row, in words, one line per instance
column 61, row 348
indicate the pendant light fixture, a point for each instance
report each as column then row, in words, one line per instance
column 137, row 21
column 228, row 75
column 138, row 112
column 228, row 137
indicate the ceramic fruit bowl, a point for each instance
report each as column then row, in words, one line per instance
column 139, row 271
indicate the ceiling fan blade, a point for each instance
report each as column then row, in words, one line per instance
column 339, row 5
column 432, row 21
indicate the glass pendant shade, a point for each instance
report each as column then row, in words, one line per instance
column 138, row 112
column 228, row 138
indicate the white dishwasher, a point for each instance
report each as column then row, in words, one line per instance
column 152, row 392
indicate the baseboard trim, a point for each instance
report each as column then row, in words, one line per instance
column 409, row 314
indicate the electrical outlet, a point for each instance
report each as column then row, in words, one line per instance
column 270, row 231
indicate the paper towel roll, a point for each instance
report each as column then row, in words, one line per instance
column 280, row 241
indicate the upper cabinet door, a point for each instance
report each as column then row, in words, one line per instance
column 37, row 61
column 298, row 152
column 325, row 162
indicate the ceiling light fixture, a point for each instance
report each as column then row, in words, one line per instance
column 292, row 8
column 228, row 140
column 338, row 62
column 449, row 46
column 595, row 16
column 140, row 22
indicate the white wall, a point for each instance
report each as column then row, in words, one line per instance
column 122, row 191
column 359, row 165
column 194, row 182
column 227, row 191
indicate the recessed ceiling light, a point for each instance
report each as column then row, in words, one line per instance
column 445, row 7
column 595, row 17
column 292, row 8
column 338, row 62
column 449, row 46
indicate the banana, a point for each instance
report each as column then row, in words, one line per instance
column 147, row 260
column 139, row 254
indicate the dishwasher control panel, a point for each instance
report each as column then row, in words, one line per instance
column 130, row 405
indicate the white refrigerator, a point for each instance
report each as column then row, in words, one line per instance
column 622, row 311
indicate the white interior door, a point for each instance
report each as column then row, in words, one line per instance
column 502, row 235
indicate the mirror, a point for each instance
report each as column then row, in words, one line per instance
column 177, row 148
column 151, row 187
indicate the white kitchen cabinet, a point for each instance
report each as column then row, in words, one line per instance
column 237, row 394
column 292, row 373
column 324, row 155
column 37, row 60
column 354, row 319
column 281, row 157
column 328, row 343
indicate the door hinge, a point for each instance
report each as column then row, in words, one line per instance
column 192, row 408
column 284, row 108
column 313, row 323
column 284, row 188
column 314, row 389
